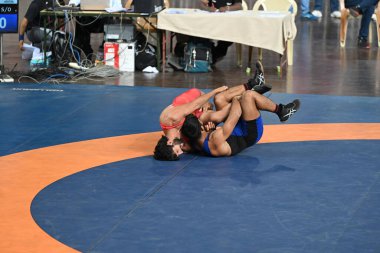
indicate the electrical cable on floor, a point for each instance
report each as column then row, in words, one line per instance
column 57, row 75
column 96, row 73
column 60, row 73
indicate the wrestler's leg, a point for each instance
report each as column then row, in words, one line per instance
column 252, row 102
column 257, row 83
column 284, row 112
column 224, row 98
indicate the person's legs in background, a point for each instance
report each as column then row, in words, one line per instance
column 368, row 3
column 366, row 8
column 351, row 3
column 361, row 6
column 220, row 50
column 305, row 11
column 364, row 27
column 36, row 36
column 83, row 29
column 317, row 8
column 334, row 9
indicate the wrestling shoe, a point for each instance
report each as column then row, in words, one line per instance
column 257, row 83
column 286, row 111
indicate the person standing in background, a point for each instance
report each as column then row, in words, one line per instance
column 220, row 49
column 365, row 8
column 305, row 11
column 334, row 9
column 32, row 25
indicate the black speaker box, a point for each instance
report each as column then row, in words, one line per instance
column 148, row 6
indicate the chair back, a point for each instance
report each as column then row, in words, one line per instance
column 276, row 5
column 341, row 4
column 244, row 5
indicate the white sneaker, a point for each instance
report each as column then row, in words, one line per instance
column 374, row 17
column 317, row 13
column 335, row 14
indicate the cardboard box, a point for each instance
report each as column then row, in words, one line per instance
column 120, row 55
column 127, row 57
column 111, row 54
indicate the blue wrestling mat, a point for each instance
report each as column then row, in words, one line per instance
column 285, row 197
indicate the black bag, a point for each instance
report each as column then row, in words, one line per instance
column 145, row 58
column 61, row 49
column 197, row 58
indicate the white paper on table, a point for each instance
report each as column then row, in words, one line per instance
column 74, row 2
column 115, row 4
column 116, row 9
column 176, row 11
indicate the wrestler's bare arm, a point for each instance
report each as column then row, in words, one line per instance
column 215, row 116
column 232, row 119
column 217, row 141
column 188, row 108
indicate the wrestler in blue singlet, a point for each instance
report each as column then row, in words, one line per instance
column 245, row 134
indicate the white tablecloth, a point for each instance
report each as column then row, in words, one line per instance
column 268, row 30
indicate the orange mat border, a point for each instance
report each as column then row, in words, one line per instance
column 24, row 174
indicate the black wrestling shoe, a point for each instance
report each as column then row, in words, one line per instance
column 257, row 83
column 262, row 88
column 286, row 111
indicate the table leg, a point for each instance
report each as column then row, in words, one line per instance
column 159, row 49
column 163, row 50
column 44, row 40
